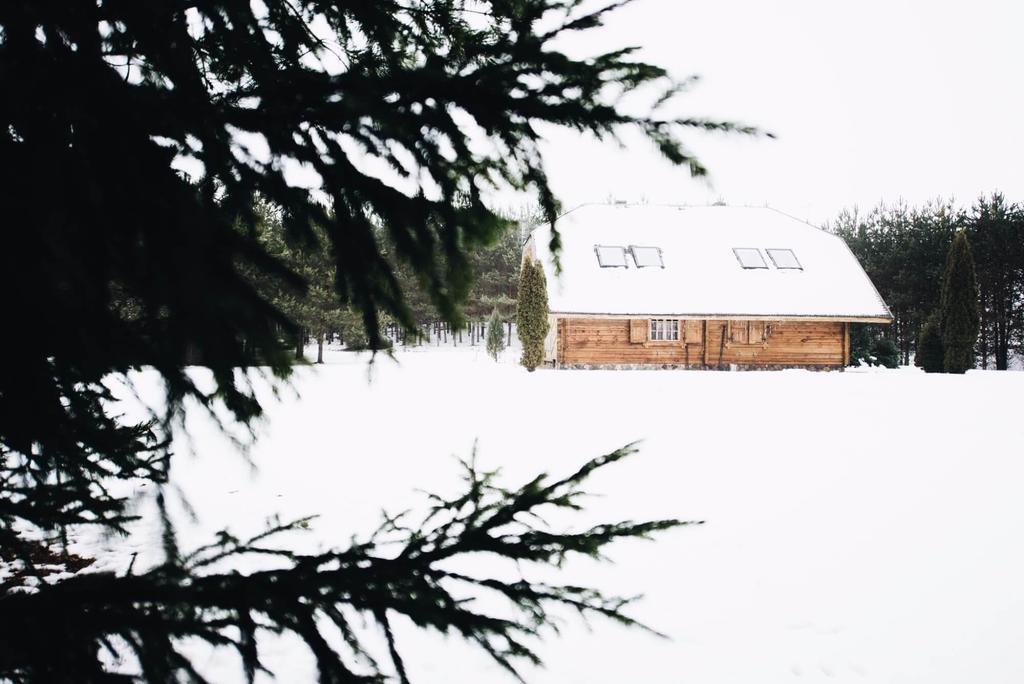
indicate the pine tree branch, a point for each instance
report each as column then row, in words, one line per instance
column 185, row 597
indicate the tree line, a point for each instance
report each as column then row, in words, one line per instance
column 905, row 249
column 490, row 296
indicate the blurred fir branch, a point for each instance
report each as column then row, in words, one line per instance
column 403, row 569
column 138, row 140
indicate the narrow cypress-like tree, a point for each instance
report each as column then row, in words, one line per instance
column 959, row 307
column 930, row 355
column 495, row 335
column 532, row 313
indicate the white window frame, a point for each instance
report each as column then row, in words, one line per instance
column 736, row 252
column 602, row 264
column 798, row 267
column 661, row 258
column 663, row 330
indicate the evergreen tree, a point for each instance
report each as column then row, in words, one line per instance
column 532, row 313
column 930, row 355
column 495, row 276
column 495, row 335
column 135, row 138
column 959, row 307
column 996, row 233
column 885, row 353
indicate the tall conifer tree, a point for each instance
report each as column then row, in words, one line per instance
column 532, row 313
column 959, row 307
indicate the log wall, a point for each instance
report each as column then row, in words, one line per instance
column 703, row 344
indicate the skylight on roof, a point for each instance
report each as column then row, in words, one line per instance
column 611, row 256
column 749, row 257
column 647, row 256
column 784, row 258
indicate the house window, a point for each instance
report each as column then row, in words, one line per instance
column 610, row 256
column 784, row 258
column 645, row 257
column 664, row 329
column 749, row 257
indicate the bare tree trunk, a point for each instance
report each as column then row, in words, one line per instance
column 1002, row 342
column 901, row 338
column 320, row 348
column 986, row 344
column 300, row 341
column 907, row 334
column 983, row 334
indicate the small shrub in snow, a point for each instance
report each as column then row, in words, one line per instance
column 885, row 353
column 929, row 346
column 495, row 335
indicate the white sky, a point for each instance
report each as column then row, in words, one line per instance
column 870, row 100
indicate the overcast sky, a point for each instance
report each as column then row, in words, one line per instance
column 870, row 100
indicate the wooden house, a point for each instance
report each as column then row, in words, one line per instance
column 700, row 287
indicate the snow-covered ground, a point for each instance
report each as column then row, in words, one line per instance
column 861, row 526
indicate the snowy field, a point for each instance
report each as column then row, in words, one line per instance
column 861, row 526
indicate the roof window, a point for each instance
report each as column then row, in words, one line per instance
column 749, row 257
column 784, row 258
column 611, row 256
column 645, row 257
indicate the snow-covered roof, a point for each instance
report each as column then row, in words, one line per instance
column 702, row 275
